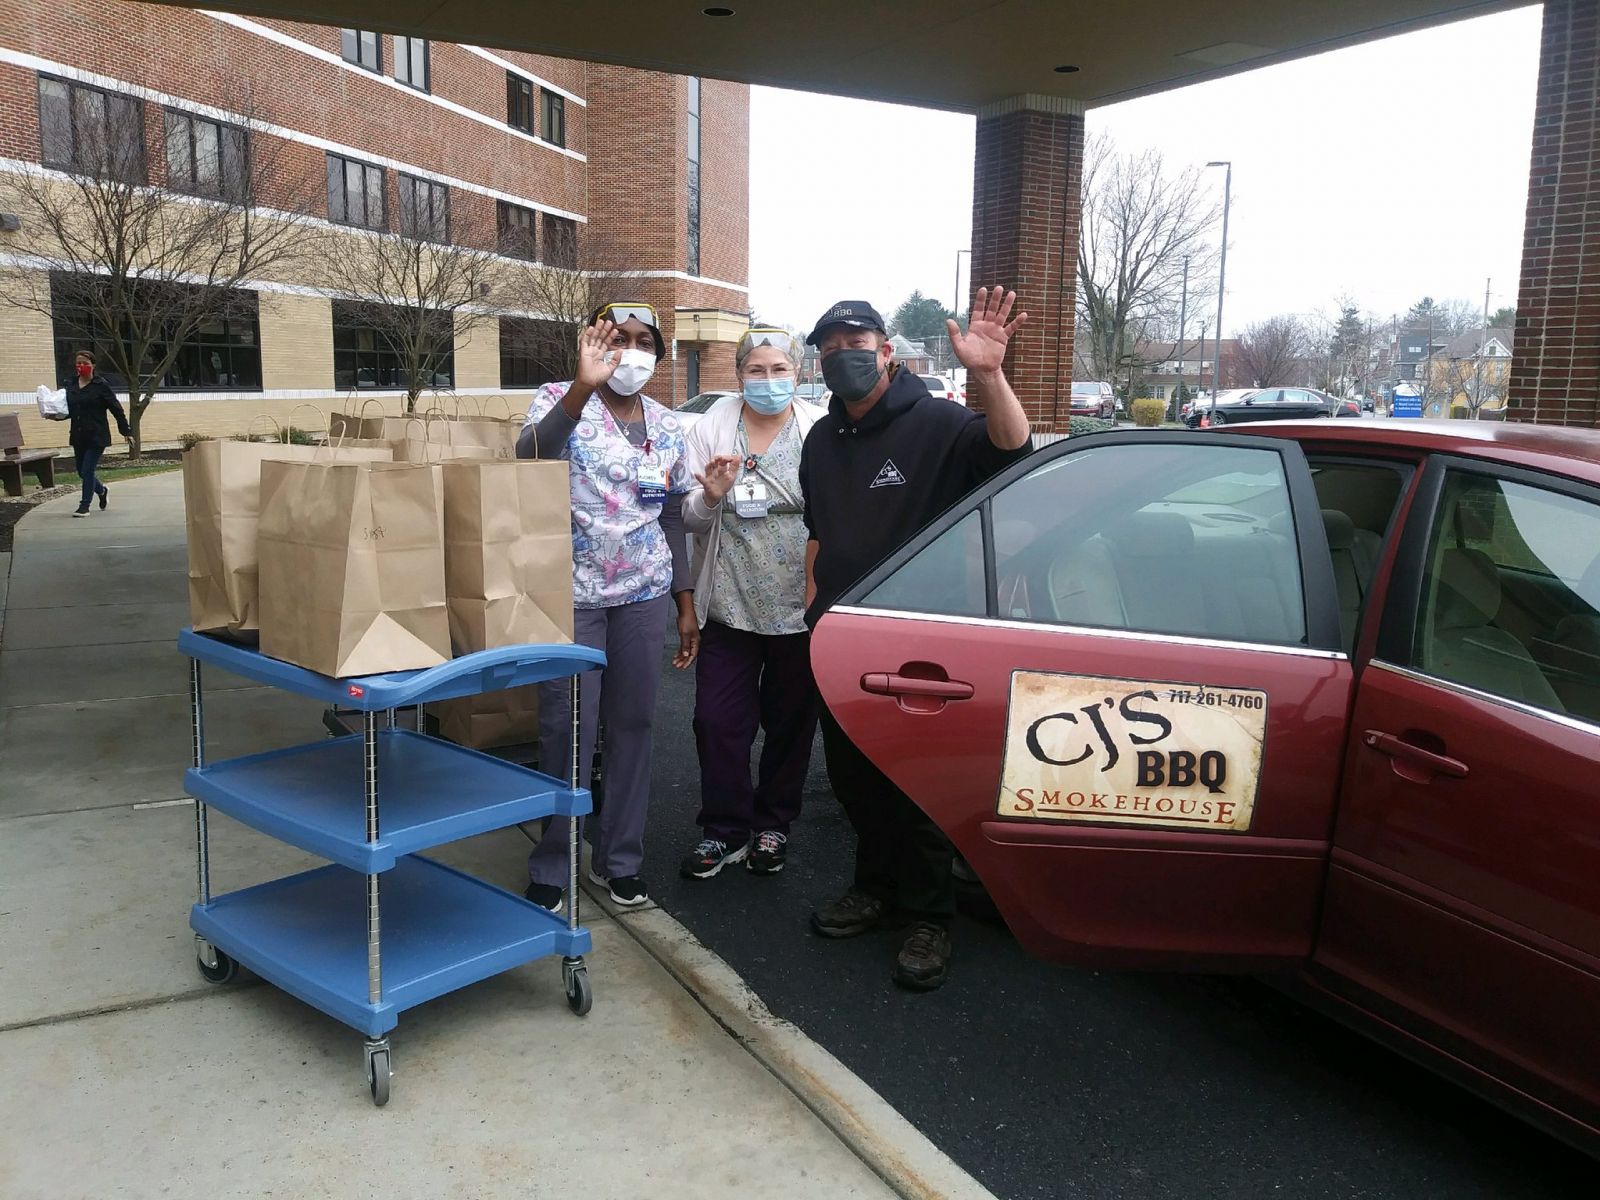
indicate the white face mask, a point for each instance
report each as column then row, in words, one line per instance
column 634, row 368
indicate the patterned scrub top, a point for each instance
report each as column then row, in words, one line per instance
column 619, row 550
column 760, row 580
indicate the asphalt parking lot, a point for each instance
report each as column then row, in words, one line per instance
column 1044, row 1081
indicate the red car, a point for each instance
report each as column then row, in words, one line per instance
column 1319, row 701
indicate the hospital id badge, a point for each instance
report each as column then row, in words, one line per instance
column 750, row 499
column 652, row 482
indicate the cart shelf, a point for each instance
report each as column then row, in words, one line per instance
column 433, row 792
column 442, row 930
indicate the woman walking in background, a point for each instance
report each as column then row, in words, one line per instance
column 754, row 672
column 630, row 576
column 89, row 401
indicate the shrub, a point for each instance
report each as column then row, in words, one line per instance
column 1458, row 412
column 188, row 441
column 301, row 437
column 1080, row 425
column 1147, row 413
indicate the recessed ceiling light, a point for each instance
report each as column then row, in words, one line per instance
column 1066, row 70
column 717, row 12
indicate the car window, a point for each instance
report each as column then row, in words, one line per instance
column 1086, row 389
column 934, row 383
column 1176, row 539
column 1510, row 599
column 702, row 402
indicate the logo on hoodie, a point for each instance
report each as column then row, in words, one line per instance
column 889, row 475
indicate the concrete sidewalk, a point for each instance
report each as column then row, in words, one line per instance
column 125, row 1074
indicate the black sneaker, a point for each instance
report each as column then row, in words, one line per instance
column 628, row 891
column 924, row 960
column 547, row 896
column 81, row 512
column 710, row 856
column 854, row 912
column 105, row 495
column 767, row 855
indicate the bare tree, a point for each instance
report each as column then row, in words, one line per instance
column 133, row 261
column 1273, row 351
column 564, row 292
column 419, row 288
column 1140, row 221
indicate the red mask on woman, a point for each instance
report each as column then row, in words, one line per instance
column 84, row 369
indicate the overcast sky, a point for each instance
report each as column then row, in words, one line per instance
column 1385, row 172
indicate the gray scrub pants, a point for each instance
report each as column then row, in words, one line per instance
column 624, row 696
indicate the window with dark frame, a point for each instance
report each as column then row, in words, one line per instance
column 362, row 47
column 519, row 102
column 222, row 353
column 365, row 359
column 560, row 242
column 411, row 62
column 526, row 345
column 693, row 143
column 207, row 158
column 517, row 231
column 424, row 209
column 90, row 130
column 355, row 193
column 553, row 118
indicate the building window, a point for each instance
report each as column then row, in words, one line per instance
column 355, row 193
column 207, row 158
column 519, row 103
column 693, row 141
column 411, row 61
column 362, row 47
column 424, row 209
column 553, row 118
column 530, row 351
column 91, row 131
column 561, row 242
column 222, row 353
column 364, row 356
column 516, row 236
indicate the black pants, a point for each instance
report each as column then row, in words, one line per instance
column 85, row 459
column 901, row 855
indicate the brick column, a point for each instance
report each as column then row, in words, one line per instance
column 1555, row 372
column 1025, row 210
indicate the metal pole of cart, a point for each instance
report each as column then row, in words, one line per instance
column 572, row 822
column 377, row 1050
column 202, row 836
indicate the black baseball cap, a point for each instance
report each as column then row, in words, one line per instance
column 847, row 312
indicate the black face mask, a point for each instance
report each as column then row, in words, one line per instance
column 851, row 374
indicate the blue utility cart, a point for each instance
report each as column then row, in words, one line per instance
column 382, row 928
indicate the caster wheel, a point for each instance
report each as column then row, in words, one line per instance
column 222, row 972
column 579, row 996
column 378, row 1075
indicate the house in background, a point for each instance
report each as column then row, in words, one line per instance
column 1161, row 366
column 1470, row 371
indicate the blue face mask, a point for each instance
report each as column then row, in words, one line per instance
column 769, row 397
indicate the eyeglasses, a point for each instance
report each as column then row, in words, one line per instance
column 778, row 339
column 619, row 314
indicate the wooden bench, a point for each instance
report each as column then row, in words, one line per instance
column 41, row 462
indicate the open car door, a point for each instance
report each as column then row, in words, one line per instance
column 1113, row 677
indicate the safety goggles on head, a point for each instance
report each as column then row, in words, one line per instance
column 778, row 339
column 618, row 314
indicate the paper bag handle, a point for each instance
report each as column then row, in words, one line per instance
column 249, row 436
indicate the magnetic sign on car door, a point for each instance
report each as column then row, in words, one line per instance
column 1132, row 752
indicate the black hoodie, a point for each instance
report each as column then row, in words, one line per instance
column 870, row 484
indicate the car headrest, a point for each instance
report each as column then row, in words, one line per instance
column 1341, row 529
column 1588, row 587
column 1469, row 590
column 1152, row 535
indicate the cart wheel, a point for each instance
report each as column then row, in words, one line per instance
column 222, row 972
column 579, row 996
column 378, row 1075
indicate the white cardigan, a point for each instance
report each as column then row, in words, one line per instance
column 717, row 432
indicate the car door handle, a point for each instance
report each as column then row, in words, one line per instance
column 1394, row 747
column 882, row 684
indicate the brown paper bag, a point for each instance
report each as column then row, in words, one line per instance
column 431, row 439
column 507, row 553
column 490, row 719
column 222, row 500
column 352, row 566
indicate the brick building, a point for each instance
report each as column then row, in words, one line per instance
column 646, row 171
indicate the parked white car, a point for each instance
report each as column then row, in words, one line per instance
column 943, row 388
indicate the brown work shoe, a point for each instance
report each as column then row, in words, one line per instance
column 852, row 913
column 924, row 960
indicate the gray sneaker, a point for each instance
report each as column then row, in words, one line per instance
column 851, row 914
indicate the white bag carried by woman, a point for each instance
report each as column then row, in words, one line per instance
column 52, row 404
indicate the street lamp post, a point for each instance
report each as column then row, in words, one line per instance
column 1222, row 274
column 1183, row 317
column 956, row 308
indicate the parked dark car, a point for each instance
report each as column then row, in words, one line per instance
column 1266, row 404
column 1318, row 700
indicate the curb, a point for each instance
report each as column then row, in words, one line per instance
column 894, row 1149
